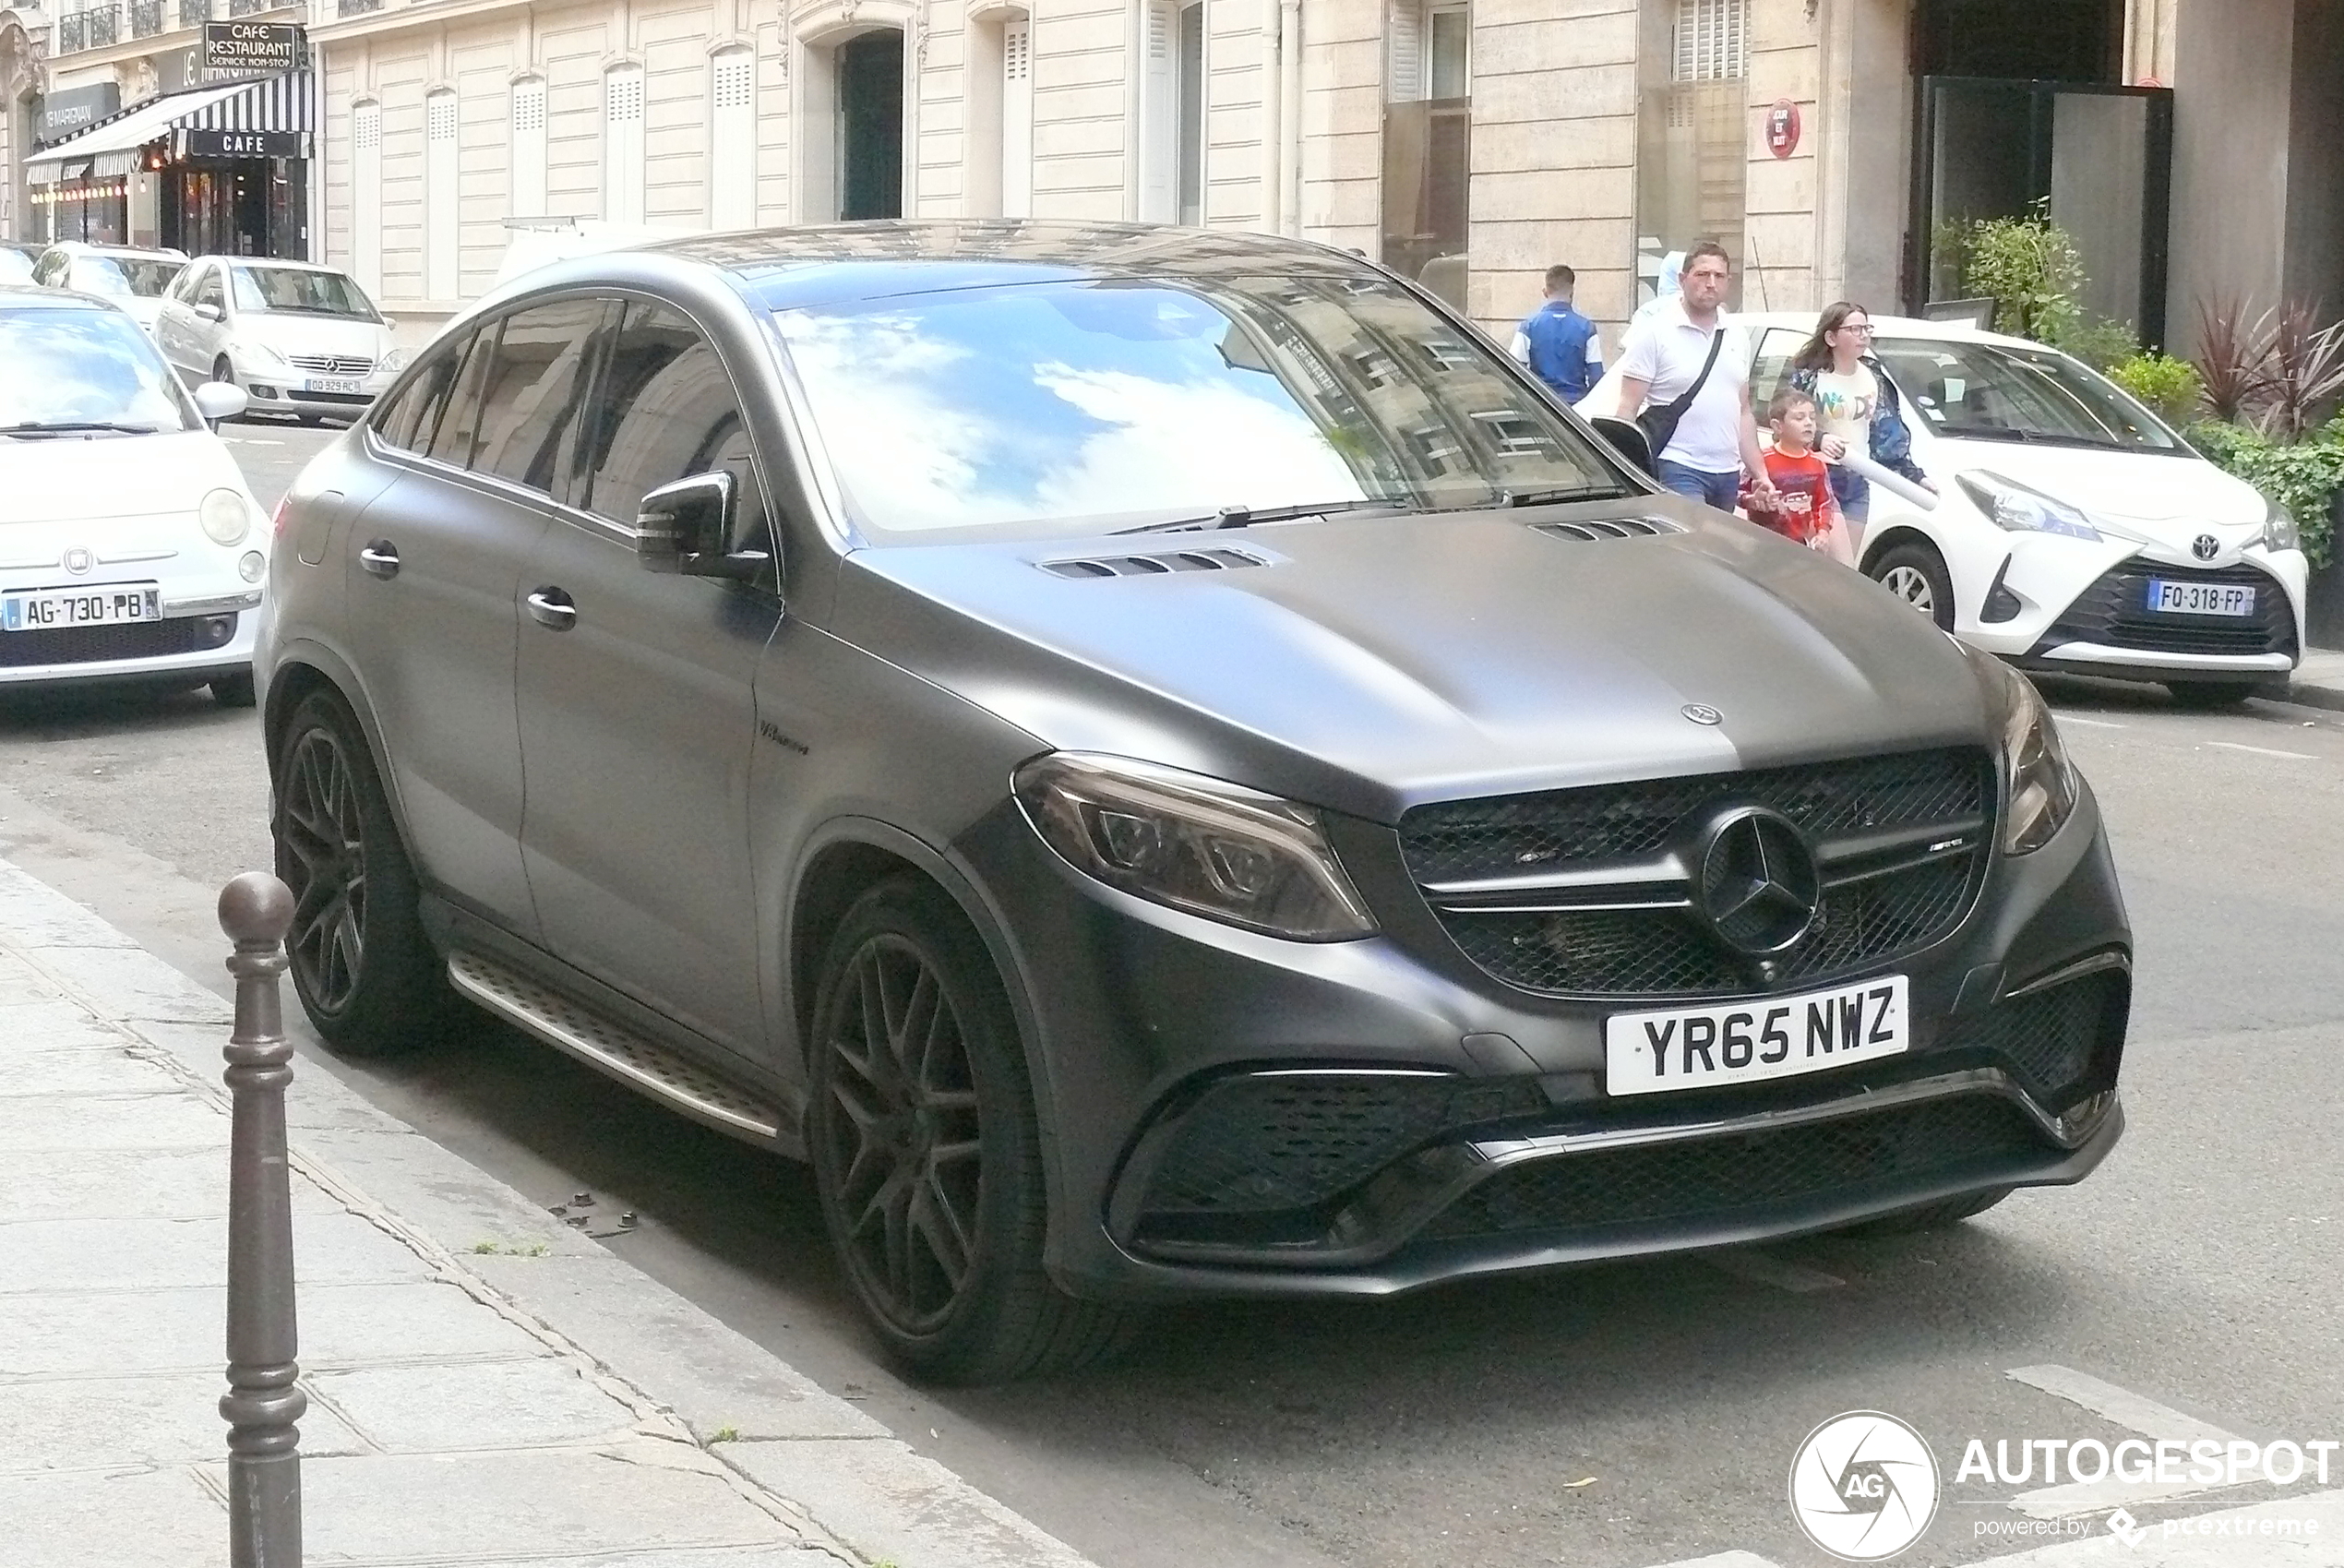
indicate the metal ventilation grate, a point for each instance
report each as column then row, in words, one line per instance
column 1600, row 530
column 1154, row 566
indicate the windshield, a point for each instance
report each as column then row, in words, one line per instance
column 299, row 292
column 15, row 266
column 1071, row 405
column 1985, row 392
column 146, row 275
column 84, row 368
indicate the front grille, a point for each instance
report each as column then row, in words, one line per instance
column 1275, row 1141
column 347, row 399
column 1717, row 1177
column 2113, row 612
column 129, row 640
column 2062, row 1042
column 1659, row 951
column 330, row 364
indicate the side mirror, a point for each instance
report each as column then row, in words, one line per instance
column 217, row 400
column 685, row 527
column 1627, row 438
column 208, row 311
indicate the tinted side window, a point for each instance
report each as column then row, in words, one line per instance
column 416, row 407
column 533, row 400
column 452, row 438
column 667, row 410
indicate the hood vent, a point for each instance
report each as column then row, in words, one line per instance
column 1152, row 566
column 1596, row 531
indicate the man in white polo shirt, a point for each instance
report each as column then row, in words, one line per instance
column 1666, row 354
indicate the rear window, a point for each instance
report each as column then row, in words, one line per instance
column 88, row 371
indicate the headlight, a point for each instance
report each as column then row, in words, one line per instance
column 396, row 359
column 1195, row 844
column 2010, row 505
column 2042, row 789
column 2278, row 529
column 225, row 517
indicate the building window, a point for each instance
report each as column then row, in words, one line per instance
column 366, row 196
column 870, row 125
column 1692, row 132
column 529, row 148
column 1428, row 143
column 1172, row 108
column 623, row 144
column 732, row 139
column 443, row 213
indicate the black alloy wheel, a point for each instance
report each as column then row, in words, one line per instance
column 926, row 1154
column 361, row 963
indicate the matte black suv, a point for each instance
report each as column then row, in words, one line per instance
column 1162, row 764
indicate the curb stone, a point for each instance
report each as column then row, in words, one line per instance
column 810, row 1459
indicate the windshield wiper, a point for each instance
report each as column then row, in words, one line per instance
column 1557, row 497
column 74, row 427
column 1239, row 517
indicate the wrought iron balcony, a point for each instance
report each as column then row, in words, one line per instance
column 146, row 18
column 105, row 26
column 73, row 32
column 251, row 7
column 356, row 8
column 194, row 13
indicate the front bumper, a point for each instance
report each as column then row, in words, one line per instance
column 2062, row 605
column 1225, row 1112
column 193, row 646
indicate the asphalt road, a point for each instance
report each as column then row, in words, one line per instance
column 1613, row 1417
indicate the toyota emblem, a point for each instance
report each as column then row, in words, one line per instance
column 77, row 561
column 1755, row 882
column 1702, row 713
column 2205, row 547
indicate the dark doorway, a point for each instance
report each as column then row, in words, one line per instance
column 870, row 125
column 1191, row 170
column 2080, row 41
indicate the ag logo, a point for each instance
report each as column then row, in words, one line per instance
column 1863, row 1486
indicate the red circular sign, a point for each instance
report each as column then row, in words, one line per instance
column 1782, row 128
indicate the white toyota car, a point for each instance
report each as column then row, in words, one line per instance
column 2073, row 531
column 130, row 549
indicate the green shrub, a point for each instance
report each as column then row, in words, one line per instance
column 2303, row 476
column 2101, row 342
column 2031, row 268
column 2170, row 387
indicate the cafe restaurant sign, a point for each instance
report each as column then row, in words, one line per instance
column 251, row 49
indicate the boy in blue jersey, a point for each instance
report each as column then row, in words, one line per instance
column 1561, row 346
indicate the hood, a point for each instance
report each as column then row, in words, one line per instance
column 66, row 480
column 1371, row 664
column 289, row 334
column 2169, row 499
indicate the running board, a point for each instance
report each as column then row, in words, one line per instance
column 667, row 1075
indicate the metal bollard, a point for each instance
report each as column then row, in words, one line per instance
column 263, row 1401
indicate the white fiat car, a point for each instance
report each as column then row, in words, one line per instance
column 2073, row 531
column 130, row 549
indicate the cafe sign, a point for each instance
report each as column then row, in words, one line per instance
column 251, row 49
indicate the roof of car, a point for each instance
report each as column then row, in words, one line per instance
column 30, row 297
column 837, row 261
column 152, row 253
column 1889, row 326
column 285, row 262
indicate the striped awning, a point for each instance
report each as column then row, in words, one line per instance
column 268, row 104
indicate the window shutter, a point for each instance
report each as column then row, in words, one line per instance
column 366, row 196
column 623, row 144
column 1159, row 112
column 731, row 141
column 529, row 148
column 443, row 212
column 1017, row 119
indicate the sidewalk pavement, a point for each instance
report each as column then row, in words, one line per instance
column 486, row 1386
column 2319, row 680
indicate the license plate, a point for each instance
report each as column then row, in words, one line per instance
column 1746, row 1042
column 334, row 384
column 2199, row 598
column 99, row 606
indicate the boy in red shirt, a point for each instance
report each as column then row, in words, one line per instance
column 1804, row 510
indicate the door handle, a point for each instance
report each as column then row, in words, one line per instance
column 552, row 607
column 381, row 557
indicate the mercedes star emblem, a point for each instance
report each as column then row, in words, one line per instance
column 1757, row 885
column 2205, row 547
column 1702, row 713
column 76, row 561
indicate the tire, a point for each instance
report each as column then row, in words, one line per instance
column 233, row 691
column 921, row 1128
column 2200, row 695
column 367, row 974
column 224, row 371
column 1917, row 574
column 1934, row 1216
